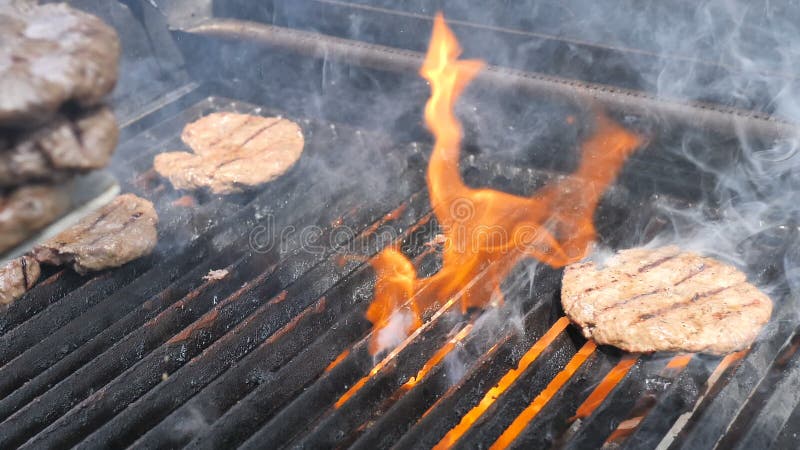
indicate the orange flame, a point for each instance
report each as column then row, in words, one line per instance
column 529, row 413
column 484, row 229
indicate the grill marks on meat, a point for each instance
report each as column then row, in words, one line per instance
column 232, row 152
column 120, row 232
column 27, row 210
column 16, row 277
column 67, row 145
column 664, row 300
column 52, row 54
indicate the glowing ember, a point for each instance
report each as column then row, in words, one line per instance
column 484, row 229
column 677, row 363
column 508, row 379
column 529, row 413
column 336, row 361
column 606, row 386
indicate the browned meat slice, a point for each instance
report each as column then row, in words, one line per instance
column 66, row 146
column 664, row 300
column 27, row 210
column 16, row 277
column 52, row 54
column 232, row 152
column 117, row 233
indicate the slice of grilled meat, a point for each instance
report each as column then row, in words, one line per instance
column 232, row 152
column 28, row 209
column 16, row 277
column 664, row 300
column 117, row 233
column 68, row 145
column 52, row 54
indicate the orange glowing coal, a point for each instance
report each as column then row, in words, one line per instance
column 486, row 231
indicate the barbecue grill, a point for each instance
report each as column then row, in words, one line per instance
column 275, row 353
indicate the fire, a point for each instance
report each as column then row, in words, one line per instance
column 484, row 229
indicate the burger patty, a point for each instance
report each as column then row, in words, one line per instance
column 29, row 209
column 16, row 277
column 664, row 300
column 52, row 54
column 67, row 145
column 232, row 152
column 117, row 233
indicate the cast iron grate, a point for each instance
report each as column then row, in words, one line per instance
column 275, row 354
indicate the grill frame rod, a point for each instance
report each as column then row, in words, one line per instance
column 722, row 118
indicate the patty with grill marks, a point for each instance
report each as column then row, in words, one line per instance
column 117, row 233
column 646, row 300
column 69, row 144
column 17, row 277
column 50, row 55
column 232, row 152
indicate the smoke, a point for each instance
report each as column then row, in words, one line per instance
column 735, row 53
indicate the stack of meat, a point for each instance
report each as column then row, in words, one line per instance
column 56, row 66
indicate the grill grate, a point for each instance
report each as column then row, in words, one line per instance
column 152, row 355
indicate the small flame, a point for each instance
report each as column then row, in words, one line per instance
column 486, row 230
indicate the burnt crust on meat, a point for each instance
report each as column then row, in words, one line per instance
column 59, row 149
column 16, row 278
column 117, row 233
column 28, row 209
column 664, row 300
column 232, row 152
column 53, row 54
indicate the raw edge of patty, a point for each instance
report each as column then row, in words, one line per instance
column 664, row 300
column 117, row 233
column 28, row 209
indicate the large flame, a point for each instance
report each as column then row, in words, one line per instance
column 486, row 231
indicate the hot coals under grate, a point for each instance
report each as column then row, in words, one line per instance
column 275, row 353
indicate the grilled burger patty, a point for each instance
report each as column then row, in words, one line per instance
column 67, row 145
column 117, row 233
column 16, row 277
column 52, row 54
column 27, row 210
column 232, row 152
column 664, row 300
